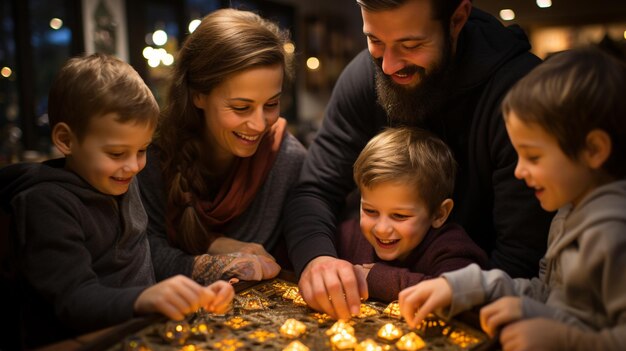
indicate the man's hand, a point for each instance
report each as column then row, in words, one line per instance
column 332, row 286
column 417, row 301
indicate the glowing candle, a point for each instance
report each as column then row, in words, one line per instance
column 389, row 332
column 343, row 341
column 366, row 311
column 296, row 346
column 393, row 310
column 340, row 326
column 299, row 300
column 291, row 293
column 410, row 342
column 292, row 328
column 236, row 323
column 368, row 345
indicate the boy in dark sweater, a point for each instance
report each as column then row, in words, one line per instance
column 78, row 226
column 406, row 178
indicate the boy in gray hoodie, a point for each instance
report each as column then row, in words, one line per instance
column 566, row 122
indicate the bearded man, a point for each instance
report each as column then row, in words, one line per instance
column 443, row 66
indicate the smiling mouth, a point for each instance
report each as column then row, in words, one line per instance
column 119, row 179
column 247, row 137
column 386, row 243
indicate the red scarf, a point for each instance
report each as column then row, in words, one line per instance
column 241, row 186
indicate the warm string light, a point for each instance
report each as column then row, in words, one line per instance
column 292, row 328
column 410, row 342
column 389, row 332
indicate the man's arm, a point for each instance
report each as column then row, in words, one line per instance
column 310, row 215
column 352, row 118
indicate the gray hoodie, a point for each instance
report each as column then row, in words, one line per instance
column 581, row 282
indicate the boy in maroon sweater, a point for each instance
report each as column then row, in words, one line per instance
column 406, row 178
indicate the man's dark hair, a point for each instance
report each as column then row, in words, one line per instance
column 442, row 9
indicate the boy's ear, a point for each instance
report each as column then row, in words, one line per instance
column 62, row 138
column 598, row 148
column 442, row 213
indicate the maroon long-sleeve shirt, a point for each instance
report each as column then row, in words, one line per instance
column 442, row 250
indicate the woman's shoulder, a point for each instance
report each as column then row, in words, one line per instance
column 291, row 150
column 291, row 145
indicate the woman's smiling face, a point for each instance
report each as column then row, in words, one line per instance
column 241, row 110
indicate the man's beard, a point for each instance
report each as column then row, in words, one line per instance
column 413, row 106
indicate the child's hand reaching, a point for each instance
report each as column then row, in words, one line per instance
column 420, row 299
column 533, row 335
column 499, row 313
column 177, row 296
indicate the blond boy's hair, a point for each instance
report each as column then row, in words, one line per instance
column 411, row 156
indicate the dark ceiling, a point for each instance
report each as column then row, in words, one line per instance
column 562, row 12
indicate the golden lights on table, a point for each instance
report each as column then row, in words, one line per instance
column 320, row 317
column 343, row 340
column 200, row 328
column 135, row 343
column 432, row 325
column 393, row 310
column 462, row 339
column 292, row 328
column 340, row 326
column 366, row 311
column 296, row 346
column 176, row 331
column 368, row 345
column 236, row 323
column 228, row 345
column 389, row 332
column 253, row 303
column 291, row 293
column 342, row 335
column 410, row 342
column 261, row 335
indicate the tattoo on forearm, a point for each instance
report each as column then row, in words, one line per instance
column 210, row 268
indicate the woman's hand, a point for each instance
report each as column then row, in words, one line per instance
column 224, row 245
column 210, row 268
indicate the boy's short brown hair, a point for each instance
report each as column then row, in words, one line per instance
column 571, row 94
column 96, row 85
column 411, row 156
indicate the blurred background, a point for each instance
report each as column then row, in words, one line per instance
column 37, row 36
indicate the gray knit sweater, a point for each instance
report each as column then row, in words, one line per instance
column 260, row 223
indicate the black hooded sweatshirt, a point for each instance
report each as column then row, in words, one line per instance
column 82, row 257
column 498, row 211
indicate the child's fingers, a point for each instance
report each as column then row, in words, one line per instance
column 411, row 301
column 486, row 314
column 222, row 295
